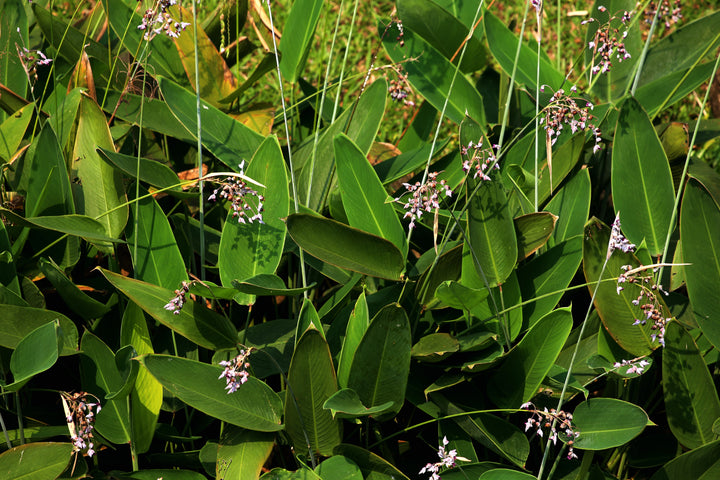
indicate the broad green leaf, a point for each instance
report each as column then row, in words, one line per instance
column 101, row 377
column 505, row 474
column 48, row 185
column 156, row 257
column 241, row 453
column 216, row 80
column 641, row 180
column 254, row 406
column 311, row 381
column 691, row 399
column 346, row 247
column 431, row 74
column 661, row 94
column 339, row 467
column 357, row 325
column 194, row 322
column 164, row 60
column 364, row 198
column 533, row 230
column 563, row 161
column 607, row 423
column 548, row 273
column 491, row 234
column 80, row 303
column 435, row 347
column 503, row 45
column 616, row 311
column 13, row 128
column 35, row 353
column 346, row 403
column 229, row 140
column 530, row 360
column 163, row 473
column 446, row 269
column 681, row 49
column 381, row 366
column 338, row 299
column 100, row 194
column 407, row 162
column 251, row 249
column 316, row 164
column 13, row 31
column 444, row 32
column 372, row 466
column 147, row 393
column 268, row 284
column 62, row 106
column 611, row 85
column 298, row 36
column 456, row 295
column 304, row 473
column 151, row 171
column 78, row 225
column 700, row 238
column 701, row 463
column 35, row 461
column 18, row 321
column 571, row 204
column 307, row 317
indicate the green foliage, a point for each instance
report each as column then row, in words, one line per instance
column 413, row 258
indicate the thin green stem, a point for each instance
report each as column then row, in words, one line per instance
column 198, row 110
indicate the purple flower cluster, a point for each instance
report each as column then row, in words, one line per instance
column 425, row 197
column 178, row 301
column 80, row 417
column 564, row 110
column 30, row 60
column 552, row 420
column 608, row 42
column 669, row 14
column 448, row 459
column 157, row 20
column 647, row 300
column 637, row 365
column 482, row 159
column 618, row 241
column 236, row 190
column 399, row 88
column 235, row 373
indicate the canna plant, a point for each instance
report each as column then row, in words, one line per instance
column 228, row 252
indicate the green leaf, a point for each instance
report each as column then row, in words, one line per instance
column 156, row 257
column 364, row 198
column 611, row 85
column 99, row 372
column 505, row 474
column 48, row 186
column 533, row 230
column 13, row 128
column 491, row 234
column 446, row 269
column 346, row 247
column 78, row 225
column 151, row 171
column 530, row 360
column 339, row 467
column 641, row 180
column 381, row 366
column 700, row 239
column 241, row 453
column 503, row 45
column 316, row 163
column 607, row 423
column 571, row 204
column 431, row 74
column 101, row 194
column 194, row 322
column 372, row 466
column 164, row 473
column 254, row 406
column 251, row 249
column 616, row 311
column 661, row 94
column 356, row 327
column 80, row 303
column 702, row 463
column 311, row 381
column 435, row 347
column 18, row 321
column 35, row 353
column 147, row 393
column 346, row 403
column 691, row 399
column 444, row 32
column 307, row 317
column 547, row 273
column 268, row 284
column 35, row 461
column 13, row 31
column 229, row 140
column 297, row 37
